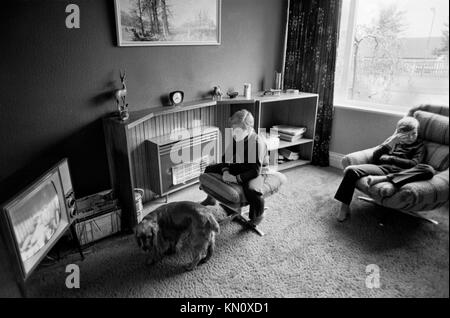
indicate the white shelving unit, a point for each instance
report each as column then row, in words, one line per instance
column 295, row 110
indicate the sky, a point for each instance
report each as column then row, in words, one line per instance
column 418, row 17
column 185, row 10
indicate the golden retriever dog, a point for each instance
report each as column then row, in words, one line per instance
column 175, row 225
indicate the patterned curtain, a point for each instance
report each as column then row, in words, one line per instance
column 313, row 30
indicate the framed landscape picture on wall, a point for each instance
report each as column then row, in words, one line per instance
column 167, row 22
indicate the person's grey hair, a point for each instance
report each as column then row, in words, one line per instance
column 243, row 118
column 407, row 124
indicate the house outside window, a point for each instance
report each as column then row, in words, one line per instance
column 393, row 55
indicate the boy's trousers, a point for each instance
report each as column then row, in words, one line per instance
column 397, row 176
column 254, row 198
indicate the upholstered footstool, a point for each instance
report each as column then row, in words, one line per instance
column 232, row 198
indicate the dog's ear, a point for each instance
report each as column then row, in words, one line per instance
column 154, row 233
column 138, row 235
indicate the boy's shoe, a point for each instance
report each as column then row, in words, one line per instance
column 256, row 221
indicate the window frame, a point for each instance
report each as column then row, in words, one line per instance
column 339, row 97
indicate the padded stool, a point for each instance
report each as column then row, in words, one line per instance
column 232, row 198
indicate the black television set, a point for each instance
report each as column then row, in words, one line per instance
column 37, row 217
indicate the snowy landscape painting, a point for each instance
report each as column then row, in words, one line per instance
column 168, row 22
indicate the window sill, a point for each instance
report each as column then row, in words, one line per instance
column 374, row 109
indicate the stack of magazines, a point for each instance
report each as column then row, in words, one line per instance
column 289, row 154
column 290, row 133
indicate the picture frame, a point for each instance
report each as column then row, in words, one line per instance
column 168, row 22
column 34, row 220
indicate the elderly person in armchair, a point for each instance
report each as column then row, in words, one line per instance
column 397, row 160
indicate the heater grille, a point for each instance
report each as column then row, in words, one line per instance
column 187, row 171
column 174, row 163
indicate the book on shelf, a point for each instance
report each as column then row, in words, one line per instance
column 290, row 130
column 290, row 137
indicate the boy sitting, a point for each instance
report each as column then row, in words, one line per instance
column 397, row 160
column 242, row 163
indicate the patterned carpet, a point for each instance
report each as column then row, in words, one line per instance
column 305, row 253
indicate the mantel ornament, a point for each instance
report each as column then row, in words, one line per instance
column 121, row 95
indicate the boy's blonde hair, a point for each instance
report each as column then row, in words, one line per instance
column 407, row 124
column 243, row 118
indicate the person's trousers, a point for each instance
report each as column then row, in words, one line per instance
column 254, row 198
column 397, row 176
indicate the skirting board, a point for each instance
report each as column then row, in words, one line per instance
column 336, row 159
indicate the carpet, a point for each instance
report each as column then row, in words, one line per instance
column 305, row 253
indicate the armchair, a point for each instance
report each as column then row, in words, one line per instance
column 416, row 197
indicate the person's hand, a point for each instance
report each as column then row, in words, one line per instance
column 385, row 158
column 396, row 138
column 402, row 138
column 228, row 177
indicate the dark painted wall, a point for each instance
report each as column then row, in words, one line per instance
column 56, row 83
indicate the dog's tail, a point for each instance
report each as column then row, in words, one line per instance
column 213, row 224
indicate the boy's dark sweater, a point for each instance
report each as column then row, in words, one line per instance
column 255, row 157
column 402, row 155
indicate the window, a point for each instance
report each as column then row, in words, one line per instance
column 393, row 55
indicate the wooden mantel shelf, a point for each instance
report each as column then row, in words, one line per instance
column 140, row 116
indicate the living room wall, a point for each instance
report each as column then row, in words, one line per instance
column 356, row 129
column 57, row 83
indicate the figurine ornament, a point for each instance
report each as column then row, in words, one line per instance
column 121, row 95
column 217, row 93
